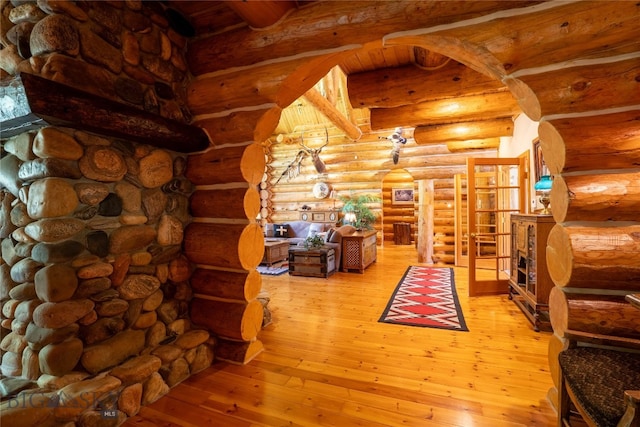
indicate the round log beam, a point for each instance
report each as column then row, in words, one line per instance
column 238, row 321
column 590, row 256
column 241, row 286
column 211, row 244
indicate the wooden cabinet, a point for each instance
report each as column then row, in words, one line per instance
column 359, row 250
column 312, row 263
column 529, row 281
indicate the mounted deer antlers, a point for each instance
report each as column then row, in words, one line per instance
column 293, row 170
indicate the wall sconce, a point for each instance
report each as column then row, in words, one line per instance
column 543, row 188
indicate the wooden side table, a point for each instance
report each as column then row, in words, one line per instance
column 359, row 250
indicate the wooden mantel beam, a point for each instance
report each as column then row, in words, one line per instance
column 39, row 101
column 332, row 113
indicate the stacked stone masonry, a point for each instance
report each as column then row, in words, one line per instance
column 93, row 284
column 125, row 51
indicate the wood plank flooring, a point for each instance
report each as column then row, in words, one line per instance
column 329, row 362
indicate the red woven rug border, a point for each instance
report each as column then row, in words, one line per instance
column 426, row 296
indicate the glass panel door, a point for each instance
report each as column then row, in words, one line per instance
column 494, row 193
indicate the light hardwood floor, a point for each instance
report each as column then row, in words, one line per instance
column 329, row 362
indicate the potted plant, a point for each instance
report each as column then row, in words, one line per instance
column 357, row 212
column 314, row 242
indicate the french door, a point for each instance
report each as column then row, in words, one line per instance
column 495, row 190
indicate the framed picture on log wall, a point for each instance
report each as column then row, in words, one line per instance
column 402, row 196
column 538, row 161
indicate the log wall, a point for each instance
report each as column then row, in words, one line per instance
column 366, row 167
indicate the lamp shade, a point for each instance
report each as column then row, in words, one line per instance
column 544, row 184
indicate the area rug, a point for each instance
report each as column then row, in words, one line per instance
column 426, row 296
column 274, row 270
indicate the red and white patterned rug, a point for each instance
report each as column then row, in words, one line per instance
column 426, row 296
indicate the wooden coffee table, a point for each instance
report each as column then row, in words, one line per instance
column 275, row 251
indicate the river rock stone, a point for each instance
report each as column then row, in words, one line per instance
column 130, row 398
column 131, row 238
column 170, row 231
column 23, row 292
column 24, row 249
column 111, row 205
column 179, row 326
column 9, row 166
column 153, row 301
column 130, row 48
column 7, row 227
column 66, row 8
column 98, row 269
column 192, row 339
column 24, row 270
column 130, row 195
column 89, row 287
column 203, row 358
column 91, row 194
column 141, row 258
column 167, row 353
column 145, row 320
column 24, row 310
column 153, row 389
column 51, row 382
column 30, row 364
column 51, row 142
column 39, row 412
column 11, row 367
column 113, row 351
column 20, row 236
column 95, row 50
column 105, row 295
column 19, row 215
column 112, row 307
column 60, row 314
column 50, row 167
column 9, row 252
column 52, row 230
column 156, row 334
column 98, row 243
column 83, row 395
column 13, row 386
column 154, row 202
column 138, row 286
column 60, row 359
column 26, row 12
column 21, row 146
column 6, row 282
column 168, row 311
column 176, row 372
column 137, row 369
column 103, row 164
column 49, row 253
column 56, row 282
column 156, row 169
column 13, row 342
column 51, row 197
column 101, row 330
column 55, row 33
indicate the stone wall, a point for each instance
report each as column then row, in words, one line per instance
column 125, row 51
column 93, row 283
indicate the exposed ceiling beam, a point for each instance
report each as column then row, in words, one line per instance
column 333, row 114
column 465, row 108
column 261, row 13
column 393, row 87
column 463, row 131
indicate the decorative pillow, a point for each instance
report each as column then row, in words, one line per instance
column 330, row 235
column 281, row 230
column 315, row 228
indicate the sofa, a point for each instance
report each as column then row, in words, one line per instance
column 296, row 232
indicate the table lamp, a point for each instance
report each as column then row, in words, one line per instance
column 543, row 188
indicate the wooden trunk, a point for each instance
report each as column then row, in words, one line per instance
column 594, row 314
column 600, row 256
column 242, row 286
column 224, row 245
column 234, row 320
column 598, row 197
